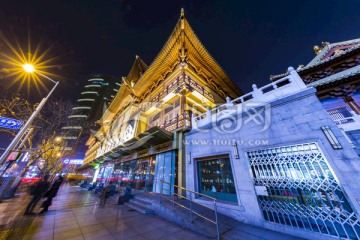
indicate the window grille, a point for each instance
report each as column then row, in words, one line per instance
column 296, row 187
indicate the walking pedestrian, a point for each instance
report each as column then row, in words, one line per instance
column 51, row 194
column 105, row 194
column 37, row 191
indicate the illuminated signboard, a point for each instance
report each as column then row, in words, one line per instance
column 13, row 156
column 10, row 123
column 73, row 161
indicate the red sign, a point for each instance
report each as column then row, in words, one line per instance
column 13, row 156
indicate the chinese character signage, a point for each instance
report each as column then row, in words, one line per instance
column 73, row 161
column 10, row 123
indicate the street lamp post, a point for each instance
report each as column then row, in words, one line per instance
column 28, row 68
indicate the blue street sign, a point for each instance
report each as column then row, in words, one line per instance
column 10, row 123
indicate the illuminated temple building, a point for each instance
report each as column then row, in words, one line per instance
column 281, row 157
column 144, row 126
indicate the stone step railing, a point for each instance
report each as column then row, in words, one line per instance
column 259, row 96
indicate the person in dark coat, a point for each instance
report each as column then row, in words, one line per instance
column 37, row 191
column 105, row 194
column 51, row 194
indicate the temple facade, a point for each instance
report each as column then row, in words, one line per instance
column 142, row 133
column 335, row 73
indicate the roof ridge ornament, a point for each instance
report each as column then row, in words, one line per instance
column 317, row 49
column 183, row 50
column 182, row 17
column 325, row 44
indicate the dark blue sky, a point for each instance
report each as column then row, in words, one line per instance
column 250, row 40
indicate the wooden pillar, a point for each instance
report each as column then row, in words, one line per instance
column 181, row 168
column 183, row 93
column 352, row 104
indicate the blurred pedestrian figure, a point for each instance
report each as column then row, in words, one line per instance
column 51, row 194
column 37, row 191
column 65, row 182
column 105, row 194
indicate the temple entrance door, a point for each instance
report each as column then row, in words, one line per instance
column 164, row 170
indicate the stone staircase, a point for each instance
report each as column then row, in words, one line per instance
column 148, row 203
column 140, row 204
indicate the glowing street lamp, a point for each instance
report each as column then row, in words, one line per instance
column 30, row 69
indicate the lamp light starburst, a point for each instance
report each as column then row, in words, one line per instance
column 25, row 65
column 29, row 68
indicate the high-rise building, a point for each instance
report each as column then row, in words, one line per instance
column 97, row 94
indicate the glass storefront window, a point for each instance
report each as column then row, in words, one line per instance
column 164, row 171
column 106, row 173
column 137, row 173
column 145, row 173
column 216, row 178
column 149, row 178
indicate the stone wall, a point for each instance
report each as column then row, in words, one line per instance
column 293, row 118
column 355, row 138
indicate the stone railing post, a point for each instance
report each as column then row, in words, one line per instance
column 257, row 94
column 208, row 112
column 208, row 115
column 296, row 79
column 193, row 122
column 228, row 102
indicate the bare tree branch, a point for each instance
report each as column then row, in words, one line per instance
column 47, row 126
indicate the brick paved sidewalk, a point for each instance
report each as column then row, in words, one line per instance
column 12, row 219
column 75, row 214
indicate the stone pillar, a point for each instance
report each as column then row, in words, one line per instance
column 347, row 138
column 296, row 79
column 208, row 115
column 352, row 104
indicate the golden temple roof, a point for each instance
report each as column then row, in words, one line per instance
column 136, row 71
column 184, row 45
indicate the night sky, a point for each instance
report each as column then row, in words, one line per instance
column 250, row 40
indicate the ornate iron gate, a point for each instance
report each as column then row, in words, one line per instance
column 296, row 187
